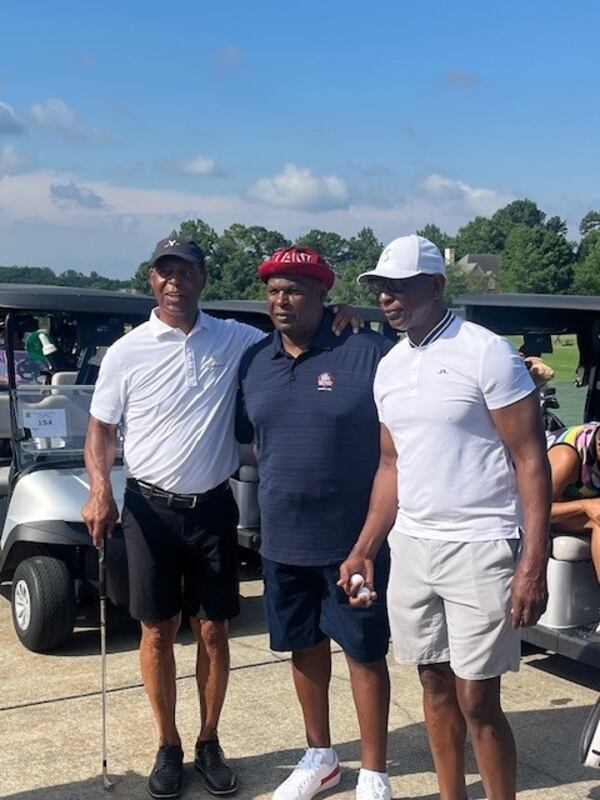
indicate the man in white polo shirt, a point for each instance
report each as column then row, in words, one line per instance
column 172, row 381
column 463, row 471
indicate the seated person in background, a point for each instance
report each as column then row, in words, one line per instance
column 574, row 455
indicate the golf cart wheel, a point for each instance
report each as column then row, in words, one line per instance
column 43, row 603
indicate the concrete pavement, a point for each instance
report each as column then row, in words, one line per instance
column 50, row 718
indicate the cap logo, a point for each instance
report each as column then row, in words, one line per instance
column 172, row 243
column 294, row 257
column 386, row 254
column 325, row 382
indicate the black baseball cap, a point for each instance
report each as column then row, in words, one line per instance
column 183, row 247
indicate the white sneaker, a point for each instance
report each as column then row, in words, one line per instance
column 310, row 776
column 373, row 786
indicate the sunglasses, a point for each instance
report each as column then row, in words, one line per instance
column 387, row 285
column 394, row 285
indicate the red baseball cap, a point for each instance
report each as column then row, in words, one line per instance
column 297, row 261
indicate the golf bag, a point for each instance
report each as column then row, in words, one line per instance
column 589, row 744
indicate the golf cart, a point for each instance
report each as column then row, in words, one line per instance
column 539, row 325
column 52, row 340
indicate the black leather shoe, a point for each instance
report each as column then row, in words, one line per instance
column 166, row 778
column 219, row 778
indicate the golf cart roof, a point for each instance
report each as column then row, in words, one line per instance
column 233, row 307
column 71, row 299
column 518, row 313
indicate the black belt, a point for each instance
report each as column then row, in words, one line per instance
column 171, row 499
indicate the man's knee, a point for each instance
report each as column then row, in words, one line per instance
column 160, row 636
column 439, row 685
column 479, row 701
column 212, row 634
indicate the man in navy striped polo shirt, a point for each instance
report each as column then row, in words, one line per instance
column 306, row 397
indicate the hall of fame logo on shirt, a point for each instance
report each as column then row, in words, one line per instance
column 325, row 382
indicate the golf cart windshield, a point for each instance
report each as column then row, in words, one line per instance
column 51, row 422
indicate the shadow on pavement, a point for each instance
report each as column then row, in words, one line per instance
column 123, row 632
column 546, row 741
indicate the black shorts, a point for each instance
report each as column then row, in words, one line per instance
column 181, row 559
column 305, row 606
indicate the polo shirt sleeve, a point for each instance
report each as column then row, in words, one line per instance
column 108, row 401
column 503, row 376
column 248, row 334
column 244, row 432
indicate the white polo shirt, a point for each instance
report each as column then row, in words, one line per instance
column 176, row 397
column 456, row 479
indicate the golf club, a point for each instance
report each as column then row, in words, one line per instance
column 102, row 585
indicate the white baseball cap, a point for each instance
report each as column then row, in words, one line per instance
column 405, row 257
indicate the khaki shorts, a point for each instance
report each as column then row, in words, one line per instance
column 450, row 602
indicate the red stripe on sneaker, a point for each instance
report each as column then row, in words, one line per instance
column 331, row 775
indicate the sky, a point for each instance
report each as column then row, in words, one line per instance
column 119, row 120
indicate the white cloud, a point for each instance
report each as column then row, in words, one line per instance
column 12, row 162
column 9, row 123
column 114, row 233
column 200, row 165
column 57, row 117
column 70, row 194
column 450, row 190
column 298, row 188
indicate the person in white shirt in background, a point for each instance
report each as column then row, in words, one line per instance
column 172, row 382
column 463, row 480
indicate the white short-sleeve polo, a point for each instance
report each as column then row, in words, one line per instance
column 456, row 479
column 175, row 394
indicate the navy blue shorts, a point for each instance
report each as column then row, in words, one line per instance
column 304, row 606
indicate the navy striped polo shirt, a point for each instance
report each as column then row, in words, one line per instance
column 316, row 428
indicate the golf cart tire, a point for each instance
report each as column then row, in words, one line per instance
column 47, row 585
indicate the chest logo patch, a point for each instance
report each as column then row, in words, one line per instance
column 325, row 382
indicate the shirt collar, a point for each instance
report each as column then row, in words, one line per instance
column 160, row 328
column 322, row 340
column 437, row 331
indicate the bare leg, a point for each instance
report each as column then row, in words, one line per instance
column 157, row 664
column 212, row 672
column 371, row 691
column 491, row 736
column 311, row 669
column 446, row 729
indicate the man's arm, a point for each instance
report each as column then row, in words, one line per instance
column 520, row 427
column 565, row 466
column 100, row 512
column 383, row 506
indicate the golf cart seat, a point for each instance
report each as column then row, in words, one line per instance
column 244, row 485
column 570, row 546
column 573, row 589
column 63, row 378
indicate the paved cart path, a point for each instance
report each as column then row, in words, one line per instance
column 50, row 718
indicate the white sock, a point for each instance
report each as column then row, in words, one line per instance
column 328, row 754
column 367, row 772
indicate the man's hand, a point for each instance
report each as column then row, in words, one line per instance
column 100, row 515
column 346, row 315
column 357, row 565
column 529, row 594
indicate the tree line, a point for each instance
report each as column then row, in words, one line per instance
column 534, row 251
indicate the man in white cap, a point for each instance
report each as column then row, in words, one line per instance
column 463, row 479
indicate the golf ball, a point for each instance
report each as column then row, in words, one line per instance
column 357, row 580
